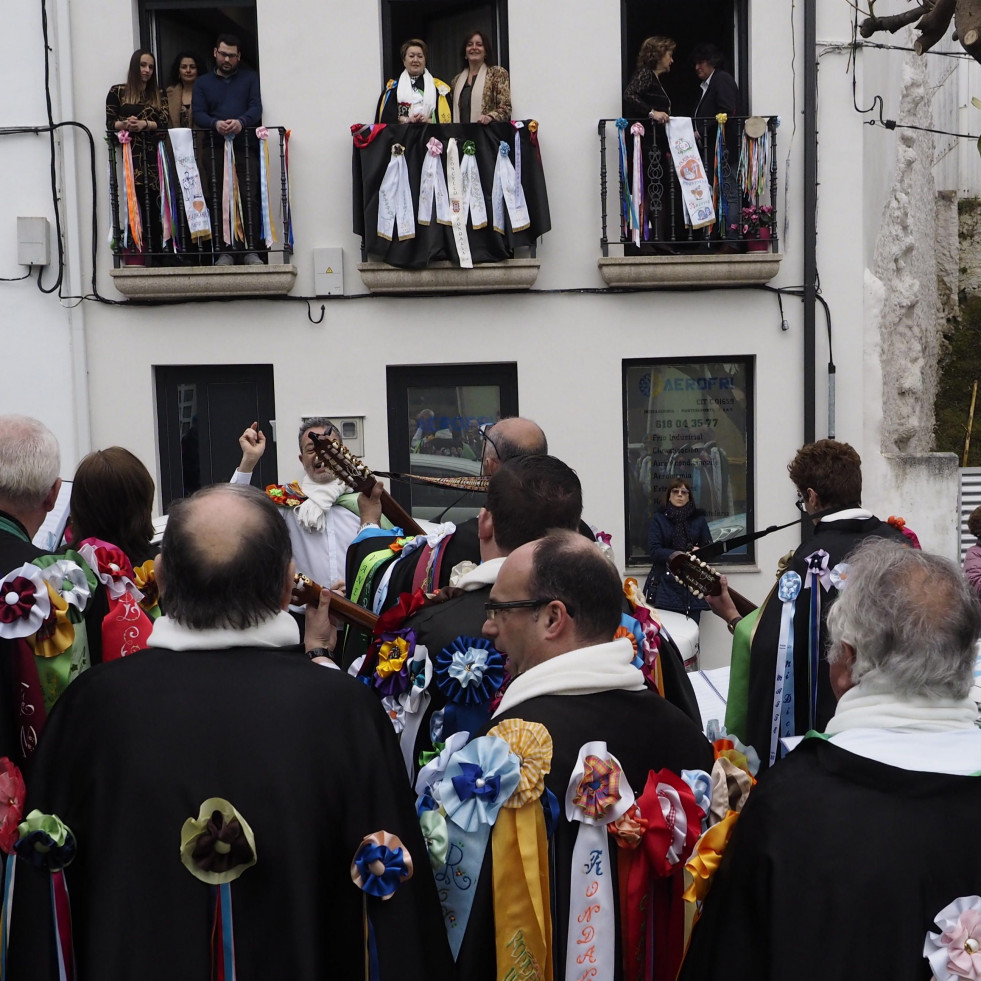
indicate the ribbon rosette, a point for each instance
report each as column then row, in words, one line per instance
column 434, row 769
column 124, row 137
column 24, row 602
column 469, row 671
column 629, row 829
column 12, row 793
column 57, row 633
column 45, row 841
column 434, row 833
column 598, row 789
column 395, row 711
column 69, row 577
column 218, row 845
column 391, row 672
column 145, row 578
column 532, row 745
column 111, row 566
column 478, row 779
column 381, row 864
column 955, row 952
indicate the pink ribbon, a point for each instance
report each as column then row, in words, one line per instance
column 123, row 136
column 262, row 133
column 434, row 147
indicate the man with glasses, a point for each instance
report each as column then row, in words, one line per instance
column 553, row 610
column 828, row 478
column 228, row 104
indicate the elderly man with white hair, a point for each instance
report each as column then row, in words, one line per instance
column 855, row 857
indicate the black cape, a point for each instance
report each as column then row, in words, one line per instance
column 835, row 869
column 304, row 753
column 644, row 732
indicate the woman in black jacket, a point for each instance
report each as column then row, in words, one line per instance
column 677, row 527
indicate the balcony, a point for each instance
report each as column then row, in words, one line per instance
column 655, row 243
column 167, row 231
column 411, row 185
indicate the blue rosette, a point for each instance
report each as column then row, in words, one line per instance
column 469, row 671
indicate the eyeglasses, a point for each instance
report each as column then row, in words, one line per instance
column 491, row 609
column 485, row 432
column 800, row 503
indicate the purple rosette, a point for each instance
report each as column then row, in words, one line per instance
column 469, row 671
column 391, row 676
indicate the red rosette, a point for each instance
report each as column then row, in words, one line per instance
column 12, row 792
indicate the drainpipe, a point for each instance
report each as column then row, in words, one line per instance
column 74, row 258
column 810, row 215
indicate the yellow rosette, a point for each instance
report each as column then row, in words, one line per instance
column 522, row 915
column 700, row 869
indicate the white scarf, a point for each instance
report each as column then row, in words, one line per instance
column 311, row 515
column 860, row 708
column 602, row 667
column 507, row 188
column 476, row 94
column 395, row 199
column 280, row 630
column 433, row 184
column 476, row 576
column 424, row 101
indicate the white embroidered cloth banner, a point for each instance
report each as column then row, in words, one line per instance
column 696, row 192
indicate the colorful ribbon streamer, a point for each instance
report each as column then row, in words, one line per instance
column 637, row 211
column 268, row 228
column 135, row 225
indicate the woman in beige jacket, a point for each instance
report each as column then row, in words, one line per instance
column 482, row 91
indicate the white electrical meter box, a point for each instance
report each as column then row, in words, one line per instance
column 33, row 242
column 328, row 272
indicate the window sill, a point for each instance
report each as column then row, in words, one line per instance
column 652, row 272
column 202, row 282
column 444, row 277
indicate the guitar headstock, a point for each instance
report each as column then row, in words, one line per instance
column 696, row 576
column 305, row 590
column 341, row 462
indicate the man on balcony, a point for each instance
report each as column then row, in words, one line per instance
column 228, row 104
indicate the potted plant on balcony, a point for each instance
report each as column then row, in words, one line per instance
column 754, row 227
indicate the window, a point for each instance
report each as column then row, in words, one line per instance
column 434, row 417
column 442, row 25
column 723, row 23
column 690, row 418
column 201, row 412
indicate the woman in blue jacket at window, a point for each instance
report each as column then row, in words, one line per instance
column 677, row 527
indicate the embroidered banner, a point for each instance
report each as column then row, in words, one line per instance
column 195, row 208
column 696, row 192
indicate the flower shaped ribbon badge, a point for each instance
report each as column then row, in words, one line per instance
column 391, row 672
column 381, row 864
column 478, row 779
column 45, row 841
column 434, row 833
column 955, row 952
column 12, row 793
column 69, row 577
column 599, row 788
column 531, row 743
column 434, row 767
column 111, row 566
column 629, row 828
column 469, row 671
column 218, row 845
column 24, row 602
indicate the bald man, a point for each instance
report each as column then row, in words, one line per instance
column 227, row 707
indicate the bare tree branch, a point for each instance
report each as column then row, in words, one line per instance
column 933, row 25
column 893, row 22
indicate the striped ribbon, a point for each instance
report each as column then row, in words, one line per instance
column 628, row 212
column 268, row 229
column 719, row 197
column 232, row 223
column 132, row 207
column 755, row 156
column 788, row 589
column 637, row 212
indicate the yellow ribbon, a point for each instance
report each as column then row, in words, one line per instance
column 522, row 915
column 391, row 656
column 54, row 639
column 704, row 862
column 133, row 209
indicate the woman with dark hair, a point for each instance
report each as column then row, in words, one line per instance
column 110, row 525
column 137, row 108
column 417, row 97
column 972, row 559
column 184, row 73
column 677, row 527
column 482, row 91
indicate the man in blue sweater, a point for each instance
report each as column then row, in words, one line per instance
column 227, row 102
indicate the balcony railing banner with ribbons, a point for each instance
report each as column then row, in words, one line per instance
column 185, row 196
column 462, row 193
column 695, row 185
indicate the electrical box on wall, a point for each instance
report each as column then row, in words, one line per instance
column 351, row 427
column 328, row 272
column 33, row 242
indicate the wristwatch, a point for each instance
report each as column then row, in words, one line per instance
column 731, row 624
column 315, row 652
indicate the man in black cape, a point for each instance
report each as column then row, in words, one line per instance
column 227, row 706
column 847, row 862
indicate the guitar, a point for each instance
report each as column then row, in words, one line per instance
column 305, row 590
column 702, row 580
column 343, row 464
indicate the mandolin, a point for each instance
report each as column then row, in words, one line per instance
column 343, row 464
column 700, row 578
column 305, row 590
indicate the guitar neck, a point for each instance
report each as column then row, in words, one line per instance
column 743, row 606
column 398, row 515
column 305, row 590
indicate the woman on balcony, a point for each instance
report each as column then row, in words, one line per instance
column 138, row 109
column 417, row 97
column 676, row 527
column 183, row 74
column 482, row 91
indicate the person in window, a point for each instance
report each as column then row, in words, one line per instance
column 677, row 527
column 183, row 74
column 417, row 97
column 972, row 559
column 482, row 91
column 645, row 96
column 137, row 108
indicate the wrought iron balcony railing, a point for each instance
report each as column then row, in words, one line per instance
column 186, row 197
column 662, row 212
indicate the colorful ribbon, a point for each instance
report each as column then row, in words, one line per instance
column 628, row 212
column 232, row 224
column 268, row 229
column 132, row 207
column 817, row 576
column 637, row 211
column 788, row 589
